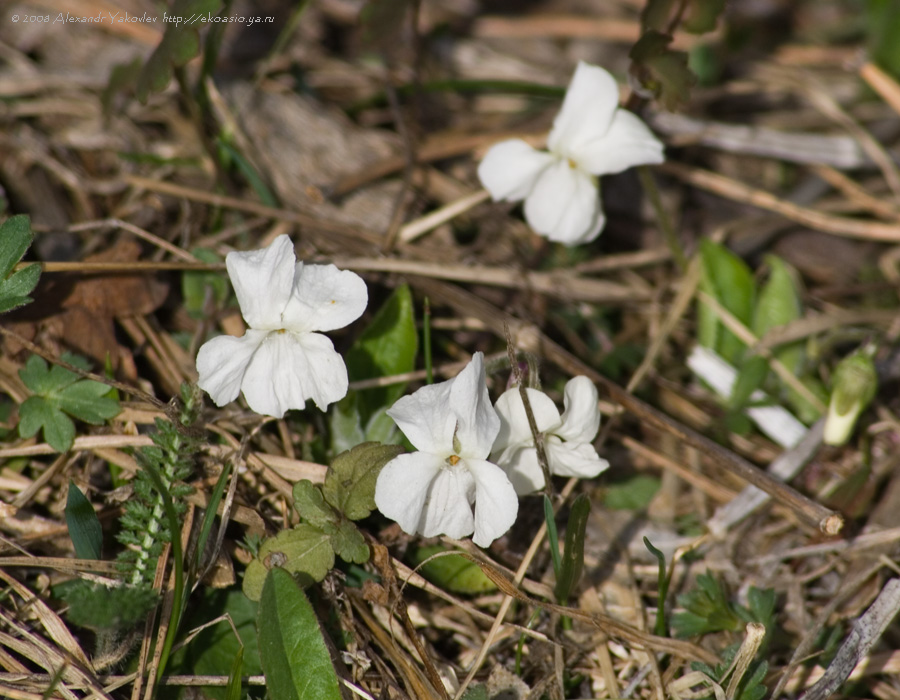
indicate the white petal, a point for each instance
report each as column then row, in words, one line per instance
column 477, row 421
column 262, row 281
column 522, row 468
column 629, row 142
column 581, row 419
column 425, row 418
column 402, row 487
column 574, row 459
column 290, row 368
column 496, row 502
column 514, row 428
column 448, row 509
column 587, row 111
column 564, row 205
column 222, row 363
column 510, row 168
column 324, row 298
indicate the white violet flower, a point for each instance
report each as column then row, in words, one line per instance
column 453, row 425
column 567, row 439
column 280, row 361
column 591, row 136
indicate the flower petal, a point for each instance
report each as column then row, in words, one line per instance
column 574, row 459
column 510, row 168
column 425, row 418
column 514, row 428
column 402, row 488
column 262, row 281
column 564, row 205
column 290, row 368
column 496, row 502
column 324, row 298
column 629, row 142
column 222, row 363
column 581, row 419
column 522, row 469
column 448, row 509
column 477, row 421
column 587, row 111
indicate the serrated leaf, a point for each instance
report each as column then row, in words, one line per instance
column 294, row 657
column 452, row 572
column 15, row 238
column 83, row 523
column 86, row 401
column 38, row 413
column 311, row 506
column 349, row 543
column 659, row 71
column 303, row 550
column 14, row 290
column 728, row 279
column 350, row 483
column 386, row 347
column 572, row 561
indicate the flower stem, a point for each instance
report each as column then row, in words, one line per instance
column 662, row 217
column 426, row 341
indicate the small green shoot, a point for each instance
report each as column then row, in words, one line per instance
column 707, row 609
column 59, row 396
column 552, row 536
column 662, row 589
column 83, row 523
column 16, row 285
column 452, row 572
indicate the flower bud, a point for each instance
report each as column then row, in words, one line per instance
column 854, row 385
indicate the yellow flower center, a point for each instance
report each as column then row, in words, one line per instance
column 453, row 460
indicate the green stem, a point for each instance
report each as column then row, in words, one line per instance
column 426, row 330
column 662, row 217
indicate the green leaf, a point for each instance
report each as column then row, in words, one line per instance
column 388, row 346
column 349, row 543
column 778, row 304
column 726, row 278
column 752, row 374
column 707, row 610
column 573, row 554
column 293, row 652
column 305, row 551
column 37, row 413
column 15, row 238
column 702, row 15
column 452, row 572
column 883, row 28
column 478, row 691
column 381, row 428
column 83, row 523
column 662, row 589
column 660, row 72
column 311, row 506
column 87, row 401
column 632, row 494
column 345, row 424
column 15, row 289
column 350, row 483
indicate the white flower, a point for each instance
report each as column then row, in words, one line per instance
column 591, row 136
column 431, row 491
column 567, row 438
column 280, row 362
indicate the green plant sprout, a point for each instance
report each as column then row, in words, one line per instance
column 58, row 396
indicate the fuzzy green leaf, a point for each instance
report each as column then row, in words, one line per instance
column 84, row 525
column 350, row 482
column 311, row 506
column 304, row 551
column 294, row 657
column 349, row 543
